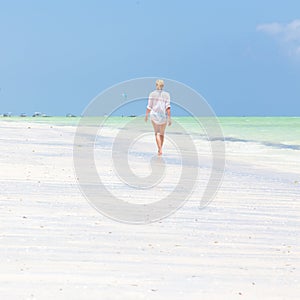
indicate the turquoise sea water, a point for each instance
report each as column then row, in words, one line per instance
column 281, row 130
column 278, row 132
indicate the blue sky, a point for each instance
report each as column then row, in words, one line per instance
column 242, row 56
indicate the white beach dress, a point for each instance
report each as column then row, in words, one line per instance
column 158, row 103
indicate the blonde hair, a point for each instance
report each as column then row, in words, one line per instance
column 159, row 84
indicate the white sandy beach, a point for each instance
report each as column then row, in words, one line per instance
column 55, row 245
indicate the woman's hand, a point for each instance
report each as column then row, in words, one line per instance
column 169, row 122
column 146, row 118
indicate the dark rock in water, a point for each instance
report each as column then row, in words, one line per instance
column 70, row 115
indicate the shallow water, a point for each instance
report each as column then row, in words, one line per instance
column 271, row 129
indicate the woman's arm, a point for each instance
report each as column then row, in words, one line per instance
column 169, row 116
column 149, row 107
column 147, row 113
column 168, row 109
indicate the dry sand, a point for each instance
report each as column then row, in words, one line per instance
column 54, row 245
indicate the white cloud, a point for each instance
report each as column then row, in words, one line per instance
column 287, row 34
column 271, row 28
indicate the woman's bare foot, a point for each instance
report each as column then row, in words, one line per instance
column 159, row 152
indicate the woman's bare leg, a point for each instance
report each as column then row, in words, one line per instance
column 162, row 133
column 159, row 131
column 157, row 137
column 158, row 142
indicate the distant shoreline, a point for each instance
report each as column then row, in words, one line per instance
column 174, row 116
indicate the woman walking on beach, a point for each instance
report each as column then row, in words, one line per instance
column 160, row 112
